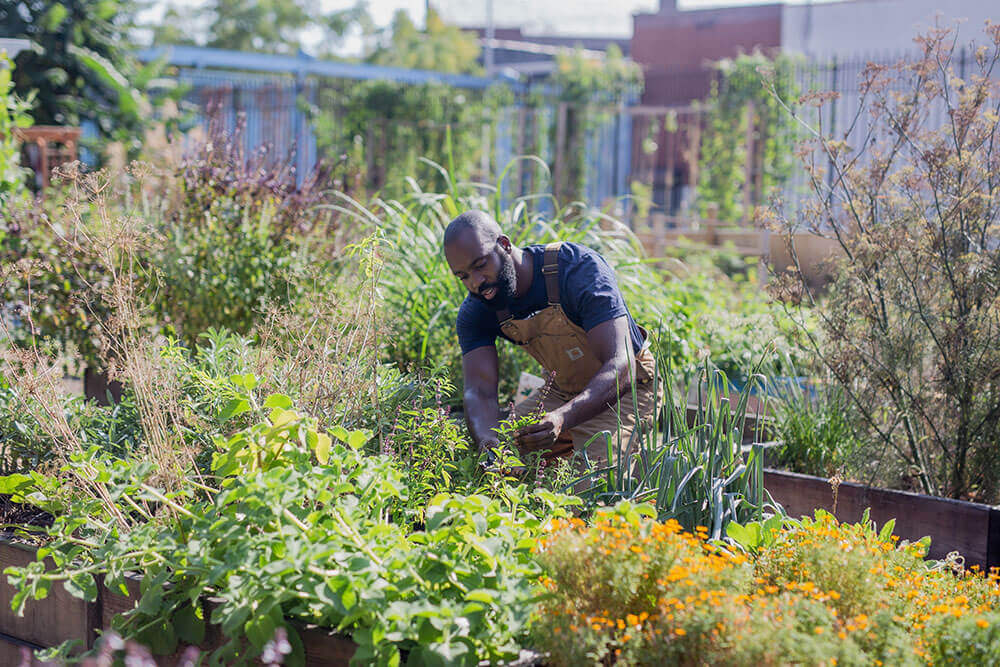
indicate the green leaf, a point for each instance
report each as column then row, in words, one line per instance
column 129, row 99
column 887, row 529
column 259, row 630
column 82, row 585
column 280, row 417
column 349, row 599
column 481, row 595
column 189, row 625
column 278, row 401
column 159, row 637
column 233, row 408
column 11, row 484
column 357, row 439
column 740, row 534
column 54, row 17
column 323, row 444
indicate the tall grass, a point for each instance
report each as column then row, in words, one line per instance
column 421, row 297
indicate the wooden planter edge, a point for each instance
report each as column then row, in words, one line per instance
column 61, row 617
column 972, row 529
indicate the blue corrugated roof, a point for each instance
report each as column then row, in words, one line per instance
column 196, row 56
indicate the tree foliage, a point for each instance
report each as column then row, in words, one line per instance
column 263, row 26
column 589, row 87
column 439, row 47
column 13, row 114
column 80, row 66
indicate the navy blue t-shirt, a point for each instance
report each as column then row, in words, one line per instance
column 588, row 293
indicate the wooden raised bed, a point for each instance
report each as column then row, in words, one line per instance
column 972, row 529
column 61, row 617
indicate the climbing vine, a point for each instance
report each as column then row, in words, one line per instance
column 741, row 106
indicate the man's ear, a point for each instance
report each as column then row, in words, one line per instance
column 504, row 242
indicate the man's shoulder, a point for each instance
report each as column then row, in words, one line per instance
column 572, row 253
column 575, row 259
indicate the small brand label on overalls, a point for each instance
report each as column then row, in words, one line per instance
column 574, row 353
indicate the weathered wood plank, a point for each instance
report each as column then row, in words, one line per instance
column 50, row 622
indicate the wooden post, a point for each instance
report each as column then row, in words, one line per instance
column 43, row 159
column 694, row 149
column 559, row 163
column 670, row 143
column 748, row 166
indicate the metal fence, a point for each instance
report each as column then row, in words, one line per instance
column 276, row 112
column 656, row 147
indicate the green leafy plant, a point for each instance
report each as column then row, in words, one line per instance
column 694, row 470
column 296, row 527
column 14, row 114
column 813, row 424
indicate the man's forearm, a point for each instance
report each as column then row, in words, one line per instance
column 610, row 382
column 482, row 416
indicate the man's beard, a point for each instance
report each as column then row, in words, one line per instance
column 504, row 285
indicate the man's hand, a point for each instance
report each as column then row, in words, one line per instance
column 541, row 434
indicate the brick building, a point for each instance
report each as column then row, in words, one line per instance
column 674, row 47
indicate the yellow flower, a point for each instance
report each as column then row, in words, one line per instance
column 680, row 632
column 983, row 623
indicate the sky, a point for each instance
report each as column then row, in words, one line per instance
column 610, row 18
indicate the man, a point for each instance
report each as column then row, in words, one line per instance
column 561, row 303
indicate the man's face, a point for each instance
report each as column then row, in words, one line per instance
column 486, row 268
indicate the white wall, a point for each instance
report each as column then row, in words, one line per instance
column 856, row 27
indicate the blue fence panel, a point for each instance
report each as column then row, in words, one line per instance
column 267, row 92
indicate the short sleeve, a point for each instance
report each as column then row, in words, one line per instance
column 590, row 293
column 475, row 327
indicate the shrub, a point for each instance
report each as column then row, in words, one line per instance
column 26, row 444
column 813, row 424
column 235, row 237
column 910, row 325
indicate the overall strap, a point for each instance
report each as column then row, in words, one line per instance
column 550, row 271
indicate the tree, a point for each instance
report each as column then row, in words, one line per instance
column 13, row 115
column 263, row 26
column 441, row 47
column 80, row 67
column 910, row 326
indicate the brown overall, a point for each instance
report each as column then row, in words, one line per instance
column 561, row 346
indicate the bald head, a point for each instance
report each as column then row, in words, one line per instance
column 481, row 224
column 486, row 262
